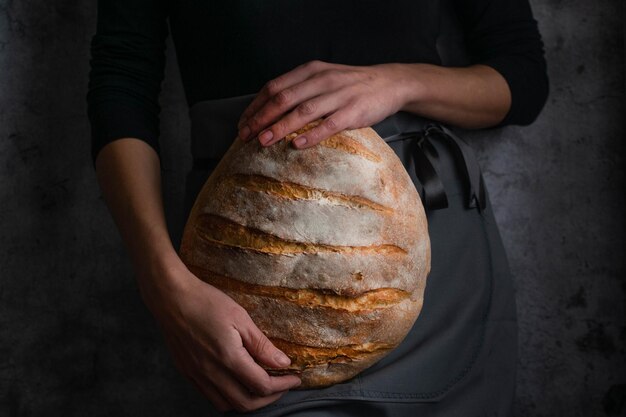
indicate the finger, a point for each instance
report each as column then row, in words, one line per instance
column 304, row 113
column 300, row 96
column 254, row 377
column 234, row 356
column 259, row 346
column 274, row 86
column 238, row 395
column 335, row 123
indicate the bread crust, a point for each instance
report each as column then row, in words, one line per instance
column 327, row 248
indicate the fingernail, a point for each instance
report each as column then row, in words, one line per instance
column 266, row 137
column 282, row 359
column 300, row 141
column 245, row 132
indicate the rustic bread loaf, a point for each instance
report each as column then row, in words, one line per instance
column 327, row 248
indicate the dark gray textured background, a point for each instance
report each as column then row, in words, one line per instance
column 75, row 339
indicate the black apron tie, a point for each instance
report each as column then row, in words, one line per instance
column 425, row 158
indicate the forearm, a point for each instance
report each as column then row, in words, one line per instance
column 351, row 97
column 213, row 340
column 469, row 97
column 129, row 175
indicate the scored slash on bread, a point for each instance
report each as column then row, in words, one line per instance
column 337, row 141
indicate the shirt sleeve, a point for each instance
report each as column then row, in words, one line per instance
column 127, row 65
column 503, row 34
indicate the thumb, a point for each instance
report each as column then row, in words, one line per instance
column 261, row 348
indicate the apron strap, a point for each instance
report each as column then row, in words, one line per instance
column 477, row 195
column 425, row 159
column 434, row 194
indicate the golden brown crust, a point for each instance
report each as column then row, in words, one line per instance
column 342, row 273
column 221, row 231
column 291, row 190
column 368, row 300
column 319, row 367
column 327, row 248
column 328, row 327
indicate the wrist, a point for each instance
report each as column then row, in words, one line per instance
column 398, row 84
column 158, row 266
column 415, row 86
column 162, row 279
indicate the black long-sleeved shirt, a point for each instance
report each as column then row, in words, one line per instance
column 232, row 47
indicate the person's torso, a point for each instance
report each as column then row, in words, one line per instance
column 230, row 48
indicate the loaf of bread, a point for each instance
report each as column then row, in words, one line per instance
column 327, row 248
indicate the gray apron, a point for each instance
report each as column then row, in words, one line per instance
column 459, row 358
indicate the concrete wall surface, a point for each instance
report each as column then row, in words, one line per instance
column 75, row 337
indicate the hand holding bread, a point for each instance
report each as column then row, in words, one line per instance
column 348, row 97
column 216, row 346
